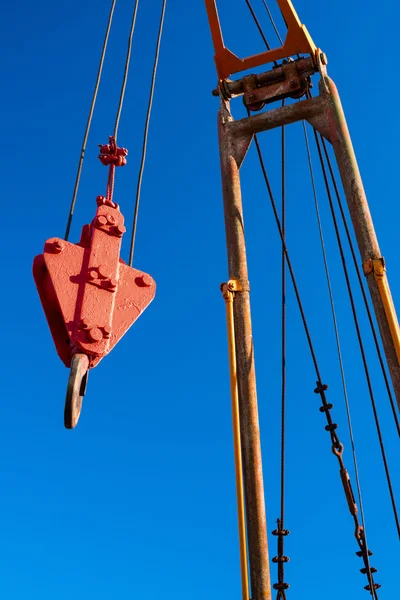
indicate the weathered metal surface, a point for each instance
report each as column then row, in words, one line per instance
column 90, row 297
column 229, row 295
column 304, row 67
column 277, row 117
column 362, row 223
column 298, row 41
column 76, row 389
column 249, row 425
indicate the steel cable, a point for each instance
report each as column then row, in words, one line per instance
column 362, row 287
column 146, row 133
column 126, row 69
column 337, row 338
column 358, row 331
column 89, row 120
column 337, row 446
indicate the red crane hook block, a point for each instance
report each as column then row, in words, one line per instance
column 90, row 297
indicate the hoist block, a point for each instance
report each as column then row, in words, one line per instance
column 89, row 295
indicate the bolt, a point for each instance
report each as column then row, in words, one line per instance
column 107, row 331
column 293, row 84
column 323, row 58
column 95, row 334
column 146, row 280
column 111, row 283
column 231, row 286
column 92, row 275
column 100, row 200
column 103, row 271
column 110, row 219
column 119, row 229
column 85, row 323
column 57, row 247
column 101, row 220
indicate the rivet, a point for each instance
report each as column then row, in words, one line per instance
column 110, row 219
column 100, row 200
column 107, row 331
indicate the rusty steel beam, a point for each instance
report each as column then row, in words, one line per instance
column 231, row 157
column 325, row 113
column 306, row 109
column 363, row 228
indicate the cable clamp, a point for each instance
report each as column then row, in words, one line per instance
column 234, row 285
column 376, row 266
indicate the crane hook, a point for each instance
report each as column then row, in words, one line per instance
column 76, row 389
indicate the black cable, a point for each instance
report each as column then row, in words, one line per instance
column 273, row 22
column 338, row 344
column 126, row 69
column 256, row 21
column 362, row 287
column 283, row 415
column 146, row 132
column 360, row 341
column 89, row 120
column 337, row 447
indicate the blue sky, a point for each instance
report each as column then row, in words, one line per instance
column 140, row 498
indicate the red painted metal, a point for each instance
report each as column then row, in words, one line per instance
column 110, row 154
column 89, row 295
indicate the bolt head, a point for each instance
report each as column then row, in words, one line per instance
column 102, row 271
column 146, row 279
column 119, row 229
column 101, row 220
column 100, row 200
column 110, row 219
column 111, row 283
column 85, row 324
column 57, row 247
column 107, row 331
column 293, row 84
column 95, row 334
column 323, row 58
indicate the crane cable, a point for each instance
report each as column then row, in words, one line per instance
column 281, row 586
column 89, row 121
column 146, row 133
column 337, row 446
column 362, row 287
column 338, row 344
column 110, row 184
column 358, row 331
column 368, row 569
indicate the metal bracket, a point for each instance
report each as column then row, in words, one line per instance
column 297, row 41
column 235, row 285
column 376, row 266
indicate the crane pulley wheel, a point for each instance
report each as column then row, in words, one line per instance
column 76, row 389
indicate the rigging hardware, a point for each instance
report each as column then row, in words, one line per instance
column 89, row 295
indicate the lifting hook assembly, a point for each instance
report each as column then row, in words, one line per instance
column 89, row 295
